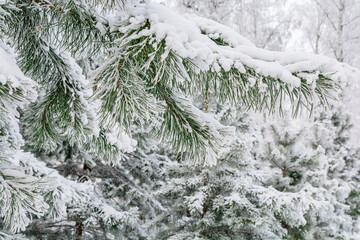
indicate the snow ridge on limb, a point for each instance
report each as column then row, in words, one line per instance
column 213, row 48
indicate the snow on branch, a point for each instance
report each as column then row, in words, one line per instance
column 214, row 48
column 158, row 53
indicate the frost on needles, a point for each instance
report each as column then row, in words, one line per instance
column 100, row 78
column 163, row 52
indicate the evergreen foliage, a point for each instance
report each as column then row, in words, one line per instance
column 278, row 186
column 128, row 73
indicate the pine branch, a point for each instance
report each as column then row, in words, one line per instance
column 77, row 29
column 21, row 197
column 238, row 82
column 158, row 68
column 60, row 112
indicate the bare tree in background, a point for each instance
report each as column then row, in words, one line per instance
column 332, row 28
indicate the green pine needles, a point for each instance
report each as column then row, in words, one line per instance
column 105, row 71
column 150, row 71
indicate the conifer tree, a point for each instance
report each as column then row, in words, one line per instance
column 281, row 181
column 147, row 64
